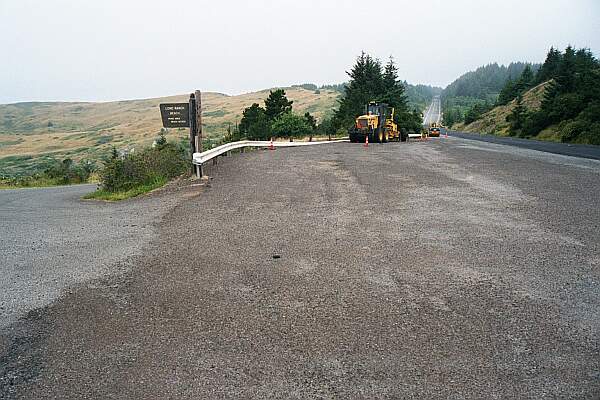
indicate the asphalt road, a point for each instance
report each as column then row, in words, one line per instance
column 433, row 112
column 439, row 269
column 575, row 150
column 52, row 240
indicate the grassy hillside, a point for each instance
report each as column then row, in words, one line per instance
column 494, row 121
column 34, row 134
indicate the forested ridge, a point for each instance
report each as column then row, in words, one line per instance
column 570, row 100
column 475, row 92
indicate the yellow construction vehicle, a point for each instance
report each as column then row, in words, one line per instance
column 377, row 124
column 434, row 129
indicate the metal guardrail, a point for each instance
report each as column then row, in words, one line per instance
column 201, row 158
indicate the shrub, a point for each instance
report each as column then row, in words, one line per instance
column 290, row 125
column 580, row 131
column 63, row 172
column 142, row 168
column 67, row 171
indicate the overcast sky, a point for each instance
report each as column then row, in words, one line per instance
column 124, row 49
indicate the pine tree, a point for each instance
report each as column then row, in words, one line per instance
column 312, row 123
column 310, row 120
column 251, row 116
column 565, row 77
column 277, row 104
column 527, row 78
column 517, row 117
column 549, row 69
column 365, row 85
column 393, row 88
column 507, row 94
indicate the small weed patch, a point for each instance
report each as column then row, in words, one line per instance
column 102, row 194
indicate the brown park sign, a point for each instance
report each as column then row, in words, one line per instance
column 175, row 115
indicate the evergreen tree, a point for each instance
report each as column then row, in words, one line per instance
column 277, row 104
column 507, row 93
column 565, row 77
column 311, row 121
column 410, row 122
column 549, row 69
column 517, row 117
column 514, row 88
column 393, row 88
column 251, row 116
column 485, row 82
column 452, row 116
column 365, row 85
column 527, row 79
column 325, row 127
column 260, row 129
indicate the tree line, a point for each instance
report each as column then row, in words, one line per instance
column 370, row 80
column 275, row 119
column 476, row 92
column 571, row 102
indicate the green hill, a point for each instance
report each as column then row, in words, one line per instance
column 561, row 101
column 494, row 121
column 32, row 135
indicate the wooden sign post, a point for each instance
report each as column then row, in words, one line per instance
column 199, row 121
column 193, row 129
column 181, row 115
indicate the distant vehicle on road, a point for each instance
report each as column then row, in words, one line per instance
column 434, row 130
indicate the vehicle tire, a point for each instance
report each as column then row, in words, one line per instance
column 351, row 136
column 386, row 137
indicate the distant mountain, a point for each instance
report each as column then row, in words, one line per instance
column 485, row 83
column 419, row 96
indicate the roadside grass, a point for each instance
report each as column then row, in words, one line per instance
column 549, row 134
column 40, row 182
column 57, row 173
column 102, row 194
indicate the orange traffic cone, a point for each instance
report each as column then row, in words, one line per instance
column 366, row 141
column 271, row 147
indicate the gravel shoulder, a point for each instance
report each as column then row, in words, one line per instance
column 439, row 269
